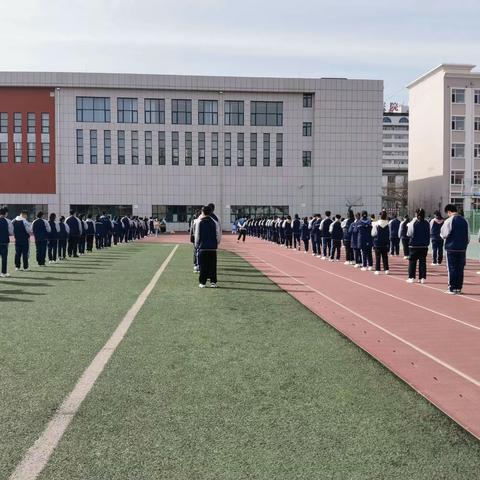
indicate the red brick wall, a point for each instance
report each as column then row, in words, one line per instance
column 27, row 177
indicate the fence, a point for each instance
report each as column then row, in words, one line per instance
column 473, row 218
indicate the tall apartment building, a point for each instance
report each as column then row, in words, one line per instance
column 395, row 159
column 163, row 145
column 444, row 151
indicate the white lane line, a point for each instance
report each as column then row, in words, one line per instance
column 383, row 329
column 475, row 327
column 38, row 455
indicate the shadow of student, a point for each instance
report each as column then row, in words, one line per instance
column 20, row 292
column 266, row 290
column 30, row 284
column 11, row 299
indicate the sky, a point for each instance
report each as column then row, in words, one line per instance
column 391, row 41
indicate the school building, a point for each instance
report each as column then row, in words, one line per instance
column 163, row 145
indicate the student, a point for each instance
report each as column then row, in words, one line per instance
column 402, row 233
column 455, row 232
column 21, row 231
column 74, row 226
column 394, row 226
column 213, row 215
column 242, row 229
column 354, row 236
column 296, row 224
column 381, row 242
column 336, row 235
column 288, row 231
column 437, row 241
column 207, row 237
column 118, row 230
column 193, row 222
column 99, row 233
column 83, row 235
column 418, row 231
column 347, row 238
column 53, row 238
column 305, row 234
column 107, row 229
column 365, row 242
column 63, row 238
column 325, row 235
column 315, row 234
column 41, row 229
column 6, row 231
column 90, row 234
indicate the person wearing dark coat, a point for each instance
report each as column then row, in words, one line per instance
column 41, row 229
column 90, row 233
column 305, row 234
column 381, row 243
column 75, row 230
column 364, row 228
column 336, row 235
column 296, row 231
column 99, row 233
column 393, row 226
column 436, row 225
column 6, row 231
column 402, row 233
column 53, row 239
column 63, row 235
column 21, row 231
column 418, row 232
column 347, row 238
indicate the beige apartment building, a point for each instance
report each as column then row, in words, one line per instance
column 444, row 144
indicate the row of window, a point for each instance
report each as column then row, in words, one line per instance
column 458, row 96
column 31, row 152
column 161, row 154
column 97, row 109
column 458, row 150
column 389, row 120
column 458, row 123
column 457, row 177
column 18, row 119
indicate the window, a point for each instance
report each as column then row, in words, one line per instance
column 93, row 147
column 307, row 158
column 175, row 148
column 266, row 149
column 227, row 149
column 458, row 150
column 457, row 177
column 476, row 150
column 154, row 110
column 18, row 152
column 279, row 150
column 79, row 146
column 257, row 211
column 307, row 129
column 134, row 147
column 45, row 152
column 17, row 122
column 214, row 149
column 264, row 114
column 31, row 149
column 307, row 100
column 201, row 149
column 3, row 152
column 476, row 124
column 45, row 123
column 177, row 213
column 476, row 97
column 240, row 149
column 458, row 95
column 93, row 109
column 188, row 148
column 182, row 112
column 127, row 110
column 253, row 149
column 148, row 148
column 161, row 148
column 107, row 147
column 234, row 112
column 458, row 123
column 3, row 122
column 403, row 120
column 30, row 122
column 476, row 177
column 121, row 146
column 387, row 120
column 207, row 112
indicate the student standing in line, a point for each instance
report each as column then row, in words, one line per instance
column 314, row 226
column 41, row 229
column 381, row 243
column 213, row 215
column 325, row 234
column 365, row 241
column 394, row 226
column 336, row 234
column 193, row 222
column 207, row 237
column 402, row 233
column 6, row 231
column 21, row 231
column 90, row 232
column 347, row 238
column 83, row 235
column 418, row 231
column 74, row 226
column 437, row 241
column 296, row 224
column 53, row 238
column 354, row 236
column 63, row 238
column 455, row 232
column 242, row 229
column 99, row 233
column 288, row 232
column 305, row 234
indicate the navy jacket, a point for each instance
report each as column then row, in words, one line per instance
column 364, row 228
column 53, row 235
column 316, row 228
column 353, row 230
column 100, row 229
column 381, row 234
column 347, row 234
column 337, row 231
column 22, row 236
column 394, row 225
column 435, row 227
column 419, row 233
column 296, row 225
column 325, row 228
column 90, row 227
column 305, row 232
column 62, row 235
column 456, row 233
column 288, row 228
column 73, row 225
column 4, row 232
column 206, row 234
column 39, row 230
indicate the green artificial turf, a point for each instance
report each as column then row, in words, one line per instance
column 236, row 383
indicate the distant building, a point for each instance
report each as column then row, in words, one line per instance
column 395, row 159
column 444, row 151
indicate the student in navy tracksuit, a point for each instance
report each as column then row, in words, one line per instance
column 305, row 233
column 74, row 234
column 207, row 237
column 418, row 231
column 347, row 238
column 381, row 242
column 83, row 235
column 99, row 233
column 118, row 230
column 325, row 235
column 336, row 234
column 437, row 241
column 21, row 231
column 394, row 226
column 402, row 233
column 288, row 232
column 456, row 234
column 353, row 230
column 63, row 235
column 41, row 229
column 365, row 242
column 296, row 231
column 315, row 234
column 6, row 231
column 53, row 238
column 90, row 234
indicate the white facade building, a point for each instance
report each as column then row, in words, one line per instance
column 161, row 145
column 444, row 152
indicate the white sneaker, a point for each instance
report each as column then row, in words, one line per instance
column 363, row 269
column 324, row 258
column 422, row 281
column 405, row 258
column 357, row 265
column 26, row 270
column 434, row 264
column 370, row 269
column 213, row 285
column 387, row 272
column 17, row 269
column 411, row 280
column 450, row 292
column 330, row 259
column 347, row 263
column 377, row 272
column 201, row 285
column 2, row 275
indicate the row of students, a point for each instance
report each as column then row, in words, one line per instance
column 362, row 235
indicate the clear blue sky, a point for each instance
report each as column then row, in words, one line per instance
column 393, row 41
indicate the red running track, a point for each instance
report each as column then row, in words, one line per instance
column 429, row 339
